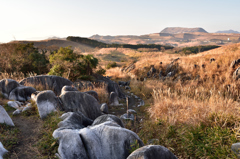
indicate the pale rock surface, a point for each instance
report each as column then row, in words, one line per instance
column 14, row 104
column 107, row 117
column 7, row 85
column 2, row 151
column 152, row 152
column 4, row 117
column 22, row 93
column 47, row 103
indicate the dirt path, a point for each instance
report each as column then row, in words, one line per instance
column 30, row 128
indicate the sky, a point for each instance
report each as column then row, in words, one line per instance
column 40, row 19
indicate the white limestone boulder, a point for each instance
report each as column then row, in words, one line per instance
column 7, row 85
column 2, row 151
column 21, row 93
column 47, row 103
column 4, row 117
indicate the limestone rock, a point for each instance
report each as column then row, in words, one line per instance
column 7, row 85
column 108, row 142
column 17, row 111
column 70, row 144
column 4, row 117
column 27, row 107
column 93, row 93
column 107, row 117
column 236, row 149
column 152, row 152
column 234, row 63
column 236, row 74
column 68, row 88
column 127, row 116
column 2, row 151
column 113, row 99
column 47, row 103
column 104, row 108
column 34, row 95
column 14, row 104
column 54, row 83
column 22, row 93
column 81, row 102
column 74, row 120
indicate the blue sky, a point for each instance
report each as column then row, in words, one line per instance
column 31, row 19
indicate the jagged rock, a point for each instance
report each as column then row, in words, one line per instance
column 131, row 111
column 152, row 152
column 17, row 111
column 93, row 93
column 47, row 103
column 81, row 102
column 234, row 63
column 113, row 99
column 83, row 85
column 2, row 150
column 7, row 85
column 122, row 83
column 236, row 148
column 108, row 142
column 127, row 116
column 236, row 74
column 71, row 145
column 54, row 83
column 142, row 103
column 4, row 117
column 127, row 88
column 68, row 88
column 14, row 104
column 74, row 120
column 107, row 117
column 104, row 108
column 173, row 66
column 22, row 93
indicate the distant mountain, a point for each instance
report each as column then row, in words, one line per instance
column 228, row 31
column 176, row 30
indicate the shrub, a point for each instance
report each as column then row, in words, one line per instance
column 111, row 65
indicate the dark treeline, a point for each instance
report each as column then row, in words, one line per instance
column 197, row 49
column 95, row 43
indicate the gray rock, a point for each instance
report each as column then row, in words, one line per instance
column 47, row 103
column 74, row 120
column 7, row 85
column 104, row 108
column 142, row 103
column 113, row 99
column 234, row 63
column 236, row 74
column 54, row 83
column 2, row 150
column 71, row 145
column 22, row 93
column 152, row 152
column 236, row 149
column 108, row 142
column 93, row 93
column 127, row 88
column 107, row 117
column 14, row 104
column 131, row 111
column 4, row 117
column 17, row 112
column 127, row 117
column 68, row 88
column 81, row 102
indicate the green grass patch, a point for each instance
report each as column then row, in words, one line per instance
column 47, row 145
column 9, row 136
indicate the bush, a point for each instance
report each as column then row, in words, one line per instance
column 111, row 65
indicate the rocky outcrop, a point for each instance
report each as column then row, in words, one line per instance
column 2, row 151
column 22, row 93
column 93, row 93
column 75, row 101
column 68, row 88
column 71, row 145
column 54, row 83
column 7, row 85
column 236, row 74
column 152, row 152
column 5, row 118
column 113, row 99
column 235, row 63
column 107, row 117
column 104, row 108
column 74, row 120
column 47, row 103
